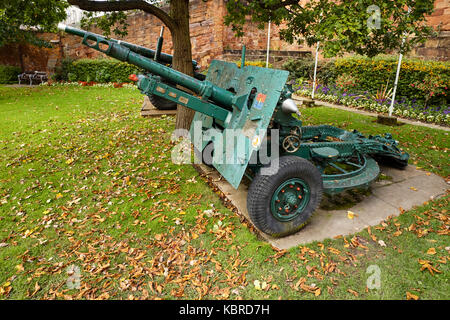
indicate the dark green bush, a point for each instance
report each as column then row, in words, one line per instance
column 99, row 70
column 8, row 74
column 304, row 68
column 62, row 71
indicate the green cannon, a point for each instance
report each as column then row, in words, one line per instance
column 157, row 55
column 246, row 124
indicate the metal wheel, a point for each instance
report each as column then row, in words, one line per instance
column 291, row 143
column 290, row 199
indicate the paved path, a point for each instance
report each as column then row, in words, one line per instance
column 404, row 189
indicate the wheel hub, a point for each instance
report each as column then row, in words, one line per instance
column 290, row 199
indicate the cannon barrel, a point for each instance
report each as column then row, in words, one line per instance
column 113, row 49
column 143, row 51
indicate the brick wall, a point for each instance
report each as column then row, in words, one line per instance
column 439, row 47
column 210, row 39
column 206, row 29
column 31, row 58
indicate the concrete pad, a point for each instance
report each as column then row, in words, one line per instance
column 405, row 188
column 412, row 191
column 398, row 175
column 149, row 110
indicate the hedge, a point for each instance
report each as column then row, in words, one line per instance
column 99, row 70
column 8, row 74
column 304, row 69
column 372, row 73
column 256, row 63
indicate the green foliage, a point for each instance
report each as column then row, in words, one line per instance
column 99, row 70
column 373, row 73
column 345, row 81
column 304, row 69
column 432, row 86
column 360, row 26
column 18, row 17
column 257, row 63
column 62, row 72
column 8, row 74
column 383, row 94
column 423, row 80
column 116, row 20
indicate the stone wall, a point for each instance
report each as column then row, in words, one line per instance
column 31, row 58
column 437, row 48
column 210, row 40
column 206, row 29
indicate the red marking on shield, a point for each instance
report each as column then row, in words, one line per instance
column 261, row 97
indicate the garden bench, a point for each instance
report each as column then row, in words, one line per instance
column 33, row 76
column 26, row 76
column 40, row 76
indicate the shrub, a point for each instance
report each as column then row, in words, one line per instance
column 304, row 68
column 99, row 70
column 62, row 72
column 373, row 73
column 432, row 86
column 8, row 74
column 346, row 81
column 257, row 63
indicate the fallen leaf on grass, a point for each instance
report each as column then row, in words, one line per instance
column 353, row 292
column 36, row 289
column 427, row 265
column 410, row 296
column 431, row 251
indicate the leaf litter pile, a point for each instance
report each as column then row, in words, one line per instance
column 92, row 207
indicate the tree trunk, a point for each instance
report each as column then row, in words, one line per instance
column 182, row 58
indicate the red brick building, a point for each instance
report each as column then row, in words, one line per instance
column 210, row 39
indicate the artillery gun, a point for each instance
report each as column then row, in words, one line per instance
column 246, row 119
column 156, row 55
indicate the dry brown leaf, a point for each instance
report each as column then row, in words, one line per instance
column 410, row 296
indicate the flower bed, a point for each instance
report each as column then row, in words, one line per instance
column 88, row 84
column 402, row 108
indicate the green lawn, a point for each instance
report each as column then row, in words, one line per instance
column 87, row 184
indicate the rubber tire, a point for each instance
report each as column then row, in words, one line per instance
column 392, row 162
column 161, row 103
column 206, row 155
column 263, row 186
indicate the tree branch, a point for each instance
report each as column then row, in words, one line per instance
column 279, row 5
column 124, row 5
